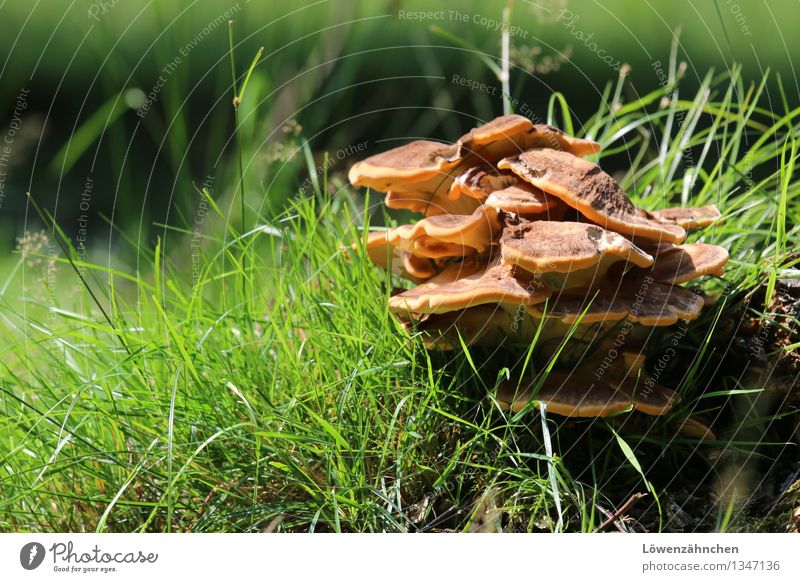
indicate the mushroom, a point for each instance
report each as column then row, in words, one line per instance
column 697, row 429
column 411, row 163
column 565, row 394
column 568, row 254
column 416, row 177
column 580, row 394
column 469, row 284
column 511, row 134
column 647, row 396
column 527, row 202
column 524, row 239
column 584, row 186
column 502, row 190
column 653, row 304
column 477, row 230
column 483, row 324
column 688, row 218
column 399, row 262
column 430, row 203
column 435, row 237
column 679, row 264
column 480, row 181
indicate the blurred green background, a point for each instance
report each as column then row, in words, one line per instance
column 123, row 108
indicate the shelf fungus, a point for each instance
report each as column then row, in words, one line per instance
column 523, row 240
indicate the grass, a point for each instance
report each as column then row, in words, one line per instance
column 256, row 381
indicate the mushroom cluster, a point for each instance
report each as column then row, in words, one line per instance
column 523, row 238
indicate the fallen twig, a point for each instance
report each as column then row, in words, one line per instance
column 614, row 518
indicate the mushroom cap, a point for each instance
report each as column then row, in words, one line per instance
column 418, row 267
column 525, row 200
column 564, row 247
column 476, row 325
column 510, row 134
column 695, row 428
column 633, row 362
column 431, row 248
column 547, row 136
column 412, row 162
column 430, row 203
column 477, row 230
column 679, row 264
column 647, row 396
column 498, row 128
column 426, row 161
column 473, row 282
column 413, row 201
column 584, row 186
column 426, row 166
column 492, row 325
column 480, row 181
column 688, row 218
column 399, row 262
column 578, row 393
column 421, row 247
column 501, row 189
column 571, row 394
column 649, row 304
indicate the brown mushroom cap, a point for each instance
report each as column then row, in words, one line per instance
column 679, row 264
column 430, row 248
column 430, row 203
column 510, row 134
column 441, row 236
column 566, row 394
column 695, row 428
column 584, row 186
column 467, row 285
column 581, row 253
column 647, row 396
column 422, row 247
column 418, row 267
column 399, row 262
column 492, row 324
column 410, row 163
column 688, row 218
column 378, row 249
column 547, row 136
column 525, row 200
column 476, row 325
column 649, row 304
column 633, row 362
column 498, row 128
column 416, row 176
column 480, row 181
column 477, row 230
column 501, row 189
column 578, row 393
column 562, row 247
